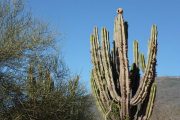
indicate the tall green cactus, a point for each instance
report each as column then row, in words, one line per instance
column 122, row 94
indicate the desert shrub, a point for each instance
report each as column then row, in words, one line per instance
column 35, row 84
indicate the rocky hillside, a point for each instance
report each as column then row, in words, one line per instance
column 167, row 106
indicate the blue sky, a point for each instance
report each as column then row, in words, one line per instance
column 75, row 20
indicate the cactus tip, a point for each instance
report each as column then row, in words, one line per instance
column 119, row 11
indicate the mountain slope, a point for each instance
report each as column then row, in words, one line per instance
column 167, row 105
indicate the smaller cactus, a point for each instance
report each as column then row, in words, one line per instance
column 31, row 82
column 41, row 84
column 73, row 85
column 49, row 84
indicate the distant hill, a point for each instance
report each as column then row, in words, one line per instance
column 167, row 104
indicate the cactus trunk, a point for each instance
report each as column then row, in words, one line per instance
column 121, row 93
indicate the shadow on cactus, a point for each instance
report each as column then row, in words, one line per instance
column 120, row 92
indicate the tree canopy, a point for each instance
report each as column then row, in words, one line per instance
column 34, row 83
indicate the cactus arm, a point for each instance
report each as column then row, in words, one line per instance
column 135, row 71
column 151, row 101
column 98, row 59
column 124, row 70
column 107, row 66
column 115, row 66
column 99, row 53
column 134, row 76
column 102, row 106
column 101, row 61
column 136, row 53
column 97, row 96
column 142, row 62
column 147, row 106
column 149, row 74
column 96, row 70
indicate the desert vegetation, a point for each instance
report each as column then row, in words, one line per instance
column 35, row 83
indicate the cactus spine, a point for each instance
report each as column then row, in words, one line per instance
column 121, row 93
